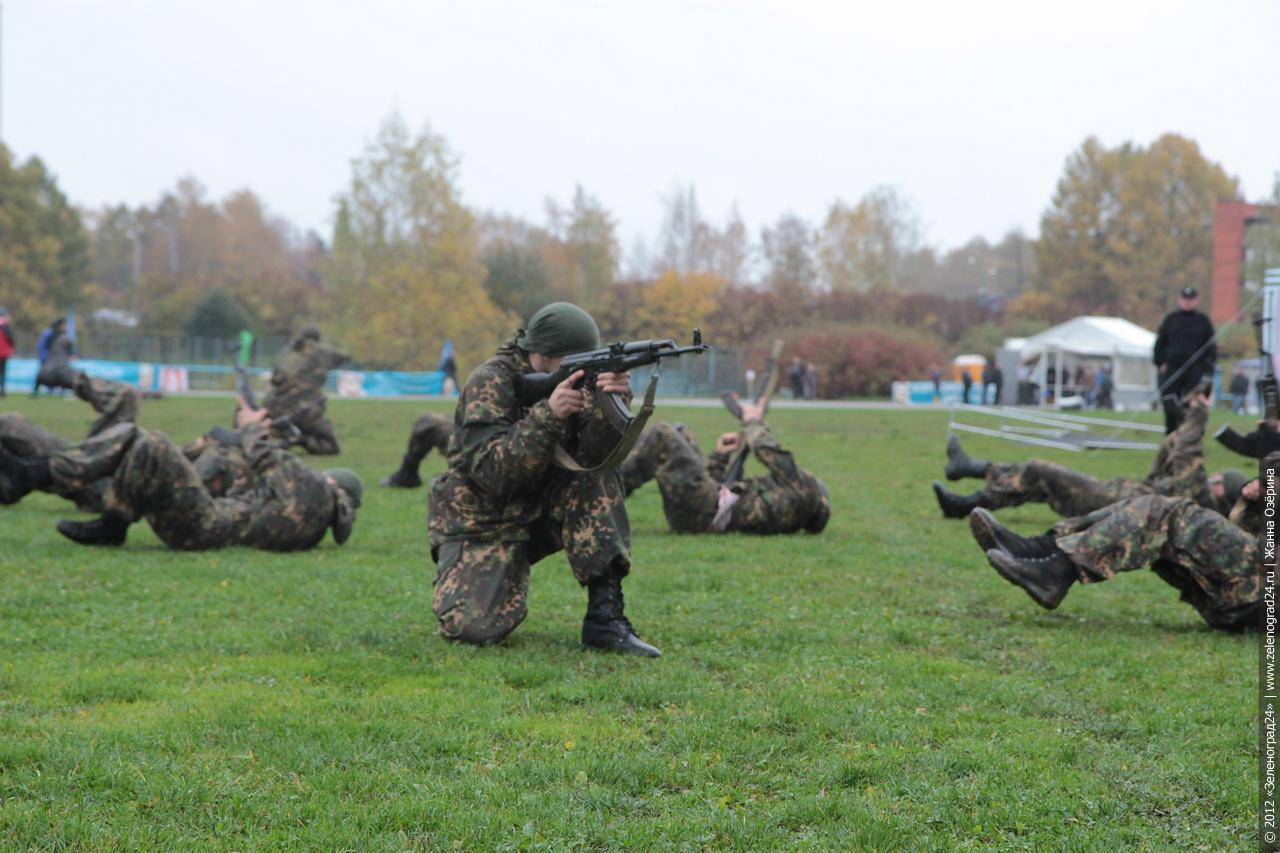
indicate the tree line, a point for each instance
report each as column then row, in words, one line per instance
column 409, row 264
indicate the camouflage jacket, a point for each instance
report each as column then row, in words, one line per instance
column 299, row 377
column 222, row 467
column 284, row 505
column 1178, row 469
column 783, row 501
column 498, row 457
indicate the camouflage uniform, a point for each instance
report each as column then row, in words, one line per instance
column 1178, row 471
column 223, row 467
column 501, row 506
column 1212, row 562
column 430, row 432
column 26, row 439
column 785, row 501
column 115, row 402
column 297, row 391
column 286, row 506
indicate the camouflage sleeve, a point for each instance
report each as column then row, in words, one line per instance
column 717, row 462
column 1184, row 447
column 259, row 449
column 766, row 448
column 331, row 357
column 503, row 453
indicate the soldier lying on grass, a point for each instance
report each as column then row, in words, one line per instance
column 1211, row 561
column 282, row 505
column 1178, row 471
column 695, row 498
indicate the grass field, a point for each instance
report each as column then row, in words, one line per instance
column 878, row 686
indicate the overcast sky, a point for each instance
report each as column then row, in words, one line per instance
column 968, row 108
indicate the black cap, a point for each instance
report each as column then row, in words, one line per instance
column 1189, row 293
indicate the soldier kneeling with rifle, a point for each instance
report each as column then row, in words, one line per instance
column 512, row 494
column 712, row 497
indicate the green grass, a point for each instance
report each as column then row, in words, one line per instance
column 878, row 686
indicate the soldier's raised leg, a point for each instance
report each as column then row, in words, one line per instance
column 430, row 432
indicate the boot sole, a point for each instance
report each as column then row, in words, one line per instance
column 996, row 558
column 980, row 525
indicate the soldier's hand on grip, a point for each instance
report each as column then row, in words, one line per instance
column 567, row 400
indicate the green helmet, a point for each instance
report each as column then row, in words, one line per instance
column 560, row 328
column 309, row 332
column 1232, row 482
column 349, row 481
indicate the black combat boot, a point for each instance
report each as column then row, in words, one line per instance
column 25, row 473
column 992, row 534
column 106, row 529
column 953, row 505
column 959, row 465
column 1045, row 579
column 405, row 478
column 606, row 626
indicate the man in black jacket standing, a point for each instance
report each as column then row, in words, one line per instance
column 1184, row 354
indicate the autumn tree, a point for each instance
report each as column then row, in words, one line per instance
column 1130, row 226
column 688, row 243
column 44, row 252
column 405, row 272
column 580, row 250
column 674, row 304
column 788, row 254
column 868, row 246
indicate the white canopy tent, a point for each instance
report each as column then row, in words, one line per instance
column 1092, row 342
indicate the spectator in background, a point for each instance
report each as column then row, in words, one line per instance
column 810, row 381
column 42, row 355
column 966, row 380
column 1239, row 391
column 795, row 375
column 55, row 369
column 6, row 346
column 449, row 367
column 1105, row 387
column 996, row 383
column 935, row 376
column 1185, row 351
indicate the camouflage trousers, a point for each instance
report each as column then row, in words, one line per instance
column 1068, row 493
column 1214, row 564
column 430, row 432
column 148, row 477
column 115, row 402
column 689, row 493
column 482, row 582
column 26, row 439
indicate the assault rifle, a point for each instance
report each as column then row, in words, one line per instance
column 614, row 358
column 1263, row 439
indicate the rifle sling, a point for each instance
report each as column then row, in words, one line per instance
column 562, row 459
